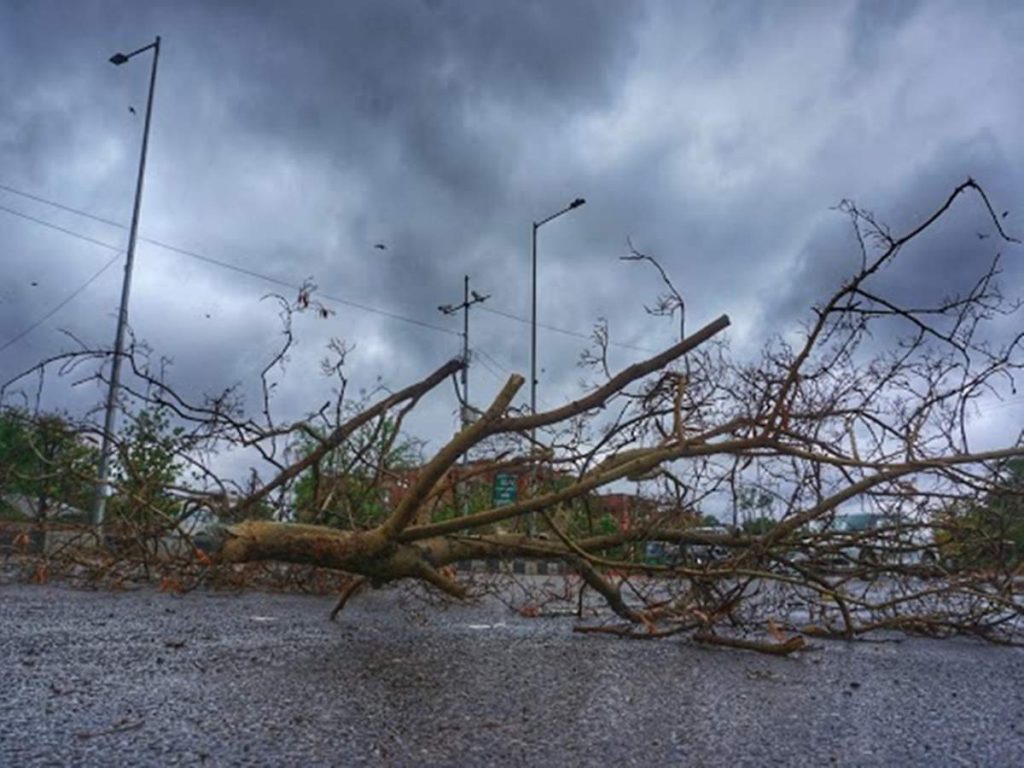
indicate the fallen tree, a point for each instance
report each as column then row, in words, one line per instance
column 871, row 405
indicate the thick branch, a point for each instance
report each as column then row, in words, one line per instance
column 590, row 482
column 446, row 457
column 627, row 376
column 343, row 432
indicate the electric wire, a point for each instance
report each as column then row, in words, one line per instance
column 273, row 280
column 564, row 331
column 208, row 260
column 67, row 300
column 1008, row 403
column 61, row 206
column 286, row 284
column 65, row 230
column 483, row 356
column 489, row 368
column 484, row 353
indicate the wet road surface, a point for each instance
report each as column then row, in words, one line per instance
column 147, row 679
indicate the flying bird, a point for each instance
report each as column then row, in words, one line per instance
column 132, row 110
column 477, row 297
column 380, row 246
column 981, row 236
column 34, row 284
column 1005, row 214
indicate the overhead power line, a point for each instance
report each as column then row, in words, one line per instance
column 269, row 278
column 60, row 305
column 207, row 259
column 564, row 331
column 485, row 354
column 61, row 206
column 286, row 284
column 488, row 367
column 65, row 230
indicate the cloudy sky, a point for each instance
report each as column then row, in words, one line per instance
column 290, row 138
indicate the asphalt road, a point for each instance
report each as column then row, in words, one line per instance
column 146, row 679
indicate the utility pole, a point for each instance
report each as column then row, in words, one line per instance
column 103, row 486
column 469, row 298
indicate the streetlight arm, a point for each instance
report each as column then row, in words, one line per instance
column 571, row 206
column 542, row 222
column 143, row 49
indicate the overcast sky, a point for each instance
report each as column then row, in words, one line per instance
column 290, row 138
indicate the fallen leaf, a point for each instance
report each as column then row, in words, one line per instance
column 776, row 632
column 651, row 629
column 170, row 584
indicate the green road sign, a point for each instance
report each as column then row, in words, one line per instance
column 504, row 491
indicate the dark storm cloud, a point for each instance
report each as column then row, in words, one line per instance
column 872, row 26
column 306, row 102
column 289, row 139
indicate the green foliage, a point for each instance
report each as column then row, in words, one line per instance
column 606, row 525
column 43, row 459
column 353, row 485
column 10, row 513
column 758, row 526
column 148, row 461
column 989, row 534
column 472, row 498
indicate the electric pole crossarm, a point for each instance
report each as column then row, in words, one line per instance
column 469, row 298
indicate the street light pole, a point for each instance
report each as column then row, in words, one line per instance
column 465, row 348
column 530, row 523
column 533, row 314
column 103, row 486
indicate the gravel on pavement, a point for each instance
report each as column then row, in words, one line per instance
column 148, row 679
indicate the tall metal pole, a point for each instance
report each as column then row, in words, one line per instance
column 465, row 355
column 103, row 485
column 533, row 312
column 530, row 520
column 533, row 340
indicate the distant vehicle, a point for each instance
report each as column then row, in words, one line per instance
column 869, row 539
column 704, row 554
column 198, row 521
column 666, row 553
column 661, row 553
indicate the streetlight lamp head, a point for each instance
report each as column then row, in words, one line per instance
column 577, row 202
column 118, row 59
